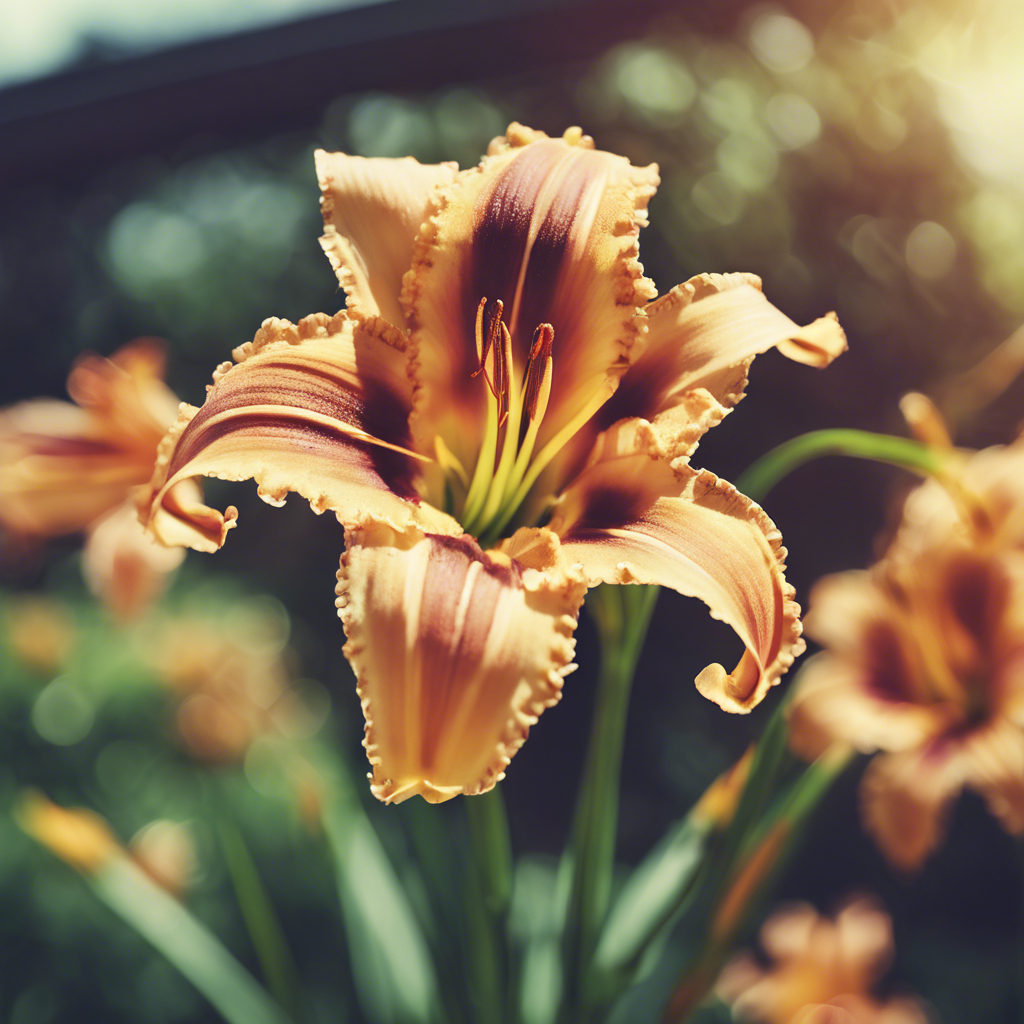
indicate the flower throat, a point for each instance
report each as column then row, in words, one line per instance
column 506, row 468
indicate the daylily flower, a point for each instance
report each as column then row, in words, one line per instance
column 68, row 468
column 822, row 970
column 233, row 690
column 470, row 390
column 924, row 660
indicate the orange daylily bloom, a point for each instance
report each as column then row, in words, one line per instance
column 500, row 359
column 924, row 659
column 822, row 970
column 67, row 468
column 234, row 683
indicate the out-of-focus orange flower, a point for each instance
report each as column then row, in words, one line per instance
column 924, row 659
column 66, row 468
column 232, row 691
column 822, row 971
column 499, row 358
column 41, row 632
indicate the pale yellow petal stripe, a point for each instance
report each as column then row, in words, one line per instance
column 633, row 519
column 372, row 210
column 456, row 651
column 319, row 408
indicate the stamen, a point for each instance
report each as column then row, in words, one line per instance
column 538, row 369
column 488, row 327
column 503, row 373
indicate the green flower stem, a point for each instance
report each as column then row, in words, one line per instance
column 622, row 615
column 187, row 944
column 492, row 848
column 391, row 962
column 759, row 478
column 490, row 892
column 258, row 913
column 750, row 878
column 767, row 770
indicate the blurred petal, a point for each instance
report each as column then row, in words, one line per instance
column 702, row 337
column 980, row 499
column 549, row 227
column 124, row 566
column 319, row 408
column 905, row 800
column 62, row 465
column 128, row 391
column 457, row 652
column 993, row 760
column 633, row 519
column 60, row 469
column 372, row 210
column 836, row 702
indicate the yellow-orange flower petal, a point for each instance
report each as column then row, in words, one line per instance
column 549, row 227
column 634, row 519
column 78, row 836
column 822, row 970
column 61, row 465
column 320, row 408
column 457, row 652
column 372, row 210
column 123, row 565
column 702, row 337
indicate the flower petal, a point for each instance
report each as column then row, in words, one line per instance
column 836, row 701
column 372, row 210
column 702, row 337
column 61, row 465
column 124, row 566
column 457, row 652
column 905, row 800
column 993, row 761
column 60, row 469
column 319, row 408
column 549, row 227
column 634, row 519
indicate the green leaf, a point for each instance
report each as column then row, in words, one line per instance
column 187, row 944
column 651, row 900
column 391, row 961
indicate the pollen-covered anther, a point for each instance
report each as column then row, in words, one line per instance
column 488, row 331
column 537, row 386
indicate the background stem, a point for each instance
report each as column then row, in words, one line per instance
column 622, row 615
column 489, row 895
column 760, row 477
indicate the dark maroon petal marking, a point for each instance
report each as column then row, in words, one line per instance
column 889, row 671
column 67, row 447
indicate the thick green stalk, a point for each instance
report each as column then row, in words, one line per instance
column 759, row 478
column 489, row 895
column 622, row 615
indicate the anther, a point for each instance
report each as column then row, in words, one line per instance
column 538, row 368
column 502, row 374
column 488, row 330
